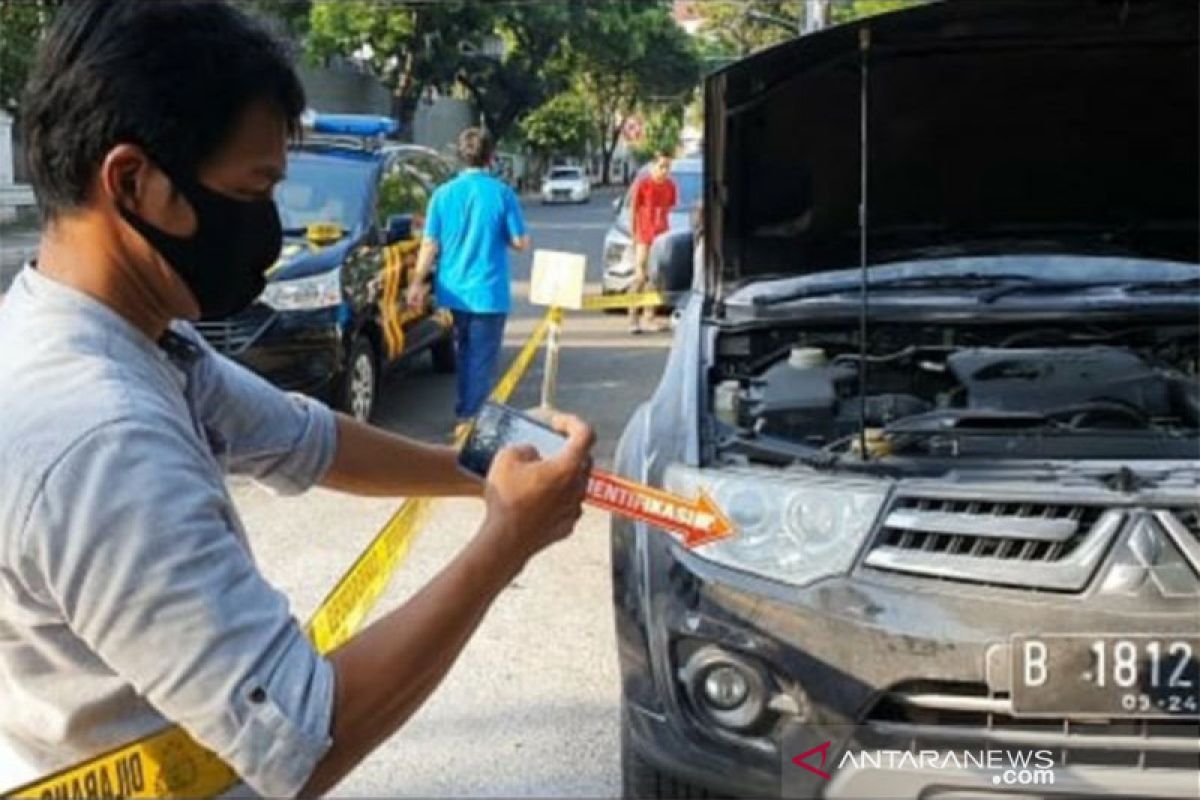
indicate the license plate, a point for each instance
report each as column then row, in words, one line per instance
column 1106, row 675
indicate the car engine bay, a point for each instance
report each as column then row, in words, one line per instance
column 965, row 391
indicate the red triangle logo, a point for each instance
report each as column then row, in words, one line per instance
column 802, row 759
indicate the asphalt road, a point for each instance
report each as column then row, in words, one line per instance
column 531, row 708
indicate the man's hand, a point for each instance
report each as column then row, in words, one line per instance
column 418, row 289
column 418, row 295
column 386, row 672
column 532, row 503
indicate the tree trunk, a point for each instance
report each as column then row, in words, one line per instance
column 608, row 148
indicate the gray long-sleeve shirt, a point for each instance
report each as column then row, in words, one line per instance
column 129, row 598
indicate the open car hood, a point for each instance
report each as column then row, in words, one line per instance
column 991, row 127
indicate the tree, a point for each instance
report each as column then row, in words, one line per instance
column 385, row 39
column 663, row 132
column 562, row 126
column 531, row 69
column 848, row 10
column 740, row 27
column 22, row 24
column 625, row 53
column 414, row 47
column 290, row 17
column 737, row 28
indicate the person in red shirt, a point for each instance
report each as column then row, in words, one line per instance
column 653, row 197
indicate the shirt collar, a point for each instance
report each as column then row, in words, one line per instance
column 92, row 318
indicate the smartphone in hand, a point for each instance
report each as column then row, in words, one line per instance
column 498, row 426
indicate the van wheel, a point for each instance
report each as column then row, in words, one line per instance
column 445, row 360
column 360, row 381
column 640, row 779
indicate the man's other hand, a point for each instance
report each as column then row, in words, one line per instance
column 418, row 295
column 532, row 502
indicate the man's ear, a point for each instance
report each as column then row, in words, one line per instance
column 124, row 176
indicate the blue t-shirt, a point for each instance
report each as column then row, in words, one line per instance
column 473, row 219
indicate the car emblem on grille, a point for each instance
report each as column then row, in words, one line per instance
column 1156, row 552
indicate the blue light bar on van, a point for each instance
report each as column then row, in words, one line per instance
column 352, row 125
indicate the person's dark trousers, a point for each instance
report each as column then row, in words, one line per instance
column 478, row 338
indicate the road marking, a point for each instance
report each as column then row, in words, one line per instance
column 569, row 226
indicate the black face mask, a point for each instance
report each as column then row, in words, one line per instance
column 223, row 262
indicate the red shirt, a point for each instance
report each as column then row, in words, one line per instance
column 652, row 202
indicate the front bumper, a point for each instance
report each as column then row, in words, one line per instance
column 299, row 351
column 870, row 659
column 564, row 196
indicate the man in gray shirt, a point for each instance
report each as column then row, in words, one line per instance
column 129, row 599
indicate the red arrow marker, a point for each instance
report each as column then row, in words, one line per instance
column 699, row 521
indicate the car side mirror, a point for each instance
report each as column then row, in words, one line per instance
column 671, row 261
column 399, row 227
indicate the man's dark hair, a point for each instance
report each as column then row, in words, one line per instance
column 170, row 77
column 475, row 147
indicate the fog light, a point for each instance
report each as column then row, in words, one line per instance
column 726, row 687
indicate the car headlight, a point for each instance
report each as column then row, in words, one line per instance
column 316, row 291
column 791, row 526
column 617, row 258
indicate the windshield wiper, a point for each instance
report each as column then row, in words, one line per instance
column 294, row 232
column 1069, row 286
column 965, row 281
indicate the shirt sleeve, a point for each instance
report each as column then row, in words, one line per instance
column 286, row 441
column 514, row 220
column 134, row 539
column 433, row 217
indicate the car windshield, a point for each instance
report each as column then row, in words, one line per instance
column 323, row 190
column 689, row 185
column 564, row 174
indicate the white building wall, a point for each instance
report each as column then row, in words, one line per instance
column 6, row 150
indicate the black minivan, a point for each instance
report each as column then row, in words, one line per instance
column 333, row 316
column 942, row 373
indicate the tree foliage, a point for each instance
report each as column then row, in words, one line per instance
column 734, row 28
column 22, row 24
column 663, row 132
column 384, row 39
column 288, row 17
column 730, row 29
column 562, row 126
column 532, row 68
column 415, row 48
column 624, row 55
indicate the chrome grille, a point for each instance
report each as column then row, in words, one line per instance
column 943, row 715
column 1190, row 519
column 233, row 334
column 1037, row 544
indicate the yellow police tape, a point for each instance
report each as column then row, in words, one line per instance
column 600, row 302
column 170, row 763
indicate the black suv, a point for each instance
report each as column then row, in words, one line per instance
column 334, row 315
column 942, row 375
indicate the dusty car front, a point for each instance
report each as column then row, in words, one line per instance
column 566, row 185
column 943, row 379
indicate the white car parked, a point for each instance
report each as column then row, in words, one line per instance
column 566, row 185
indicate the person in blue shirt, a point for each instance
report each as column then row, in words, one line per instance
column 472, row 222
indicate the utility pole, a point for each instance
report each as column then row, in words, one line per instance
column 816, row 15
